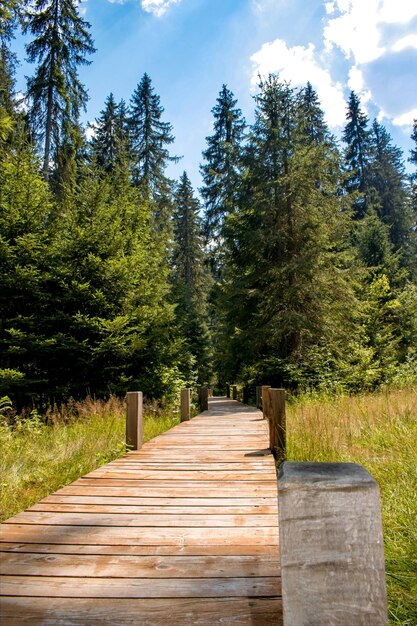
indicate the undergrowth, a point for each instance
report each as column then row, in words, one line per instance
column 379, row 431
column 40, row 454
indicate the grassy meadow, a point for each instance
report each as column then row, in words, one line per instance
column 38, row 458
column 379, row 431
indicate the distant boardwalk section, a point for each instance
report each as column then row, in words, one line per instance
column 183, row 531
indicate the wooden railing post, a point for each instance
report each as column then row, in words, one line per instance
column 245, row 395
column 265, row 400
column 227, row 390
column 258, row 401
column 331, row 545
column 203, row 398
column 234, row 392
column 134, row 420
column 185, row 405
column 277, row 422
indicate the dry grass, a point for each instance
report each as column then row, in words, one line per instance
column 379, row 431
column 38, row 458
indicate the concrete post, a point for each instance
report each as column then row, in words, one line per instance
column 332, row 556
column 185, row 404
column 134, row 418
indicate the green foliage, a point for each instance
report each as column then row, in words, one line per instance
column 379, row 432
column 191, row 280
column 61, row 43
column 38, row 457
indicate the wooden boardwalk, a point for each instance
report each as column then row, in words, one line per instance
column 182, row 532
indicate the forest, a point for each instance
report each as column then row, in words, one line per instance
column 294, row 264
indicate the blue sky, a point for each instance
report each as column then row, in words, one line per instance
column 191, row 47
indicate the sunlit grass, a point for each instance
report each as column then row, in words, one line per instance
column 379, row 431
column 37, row 458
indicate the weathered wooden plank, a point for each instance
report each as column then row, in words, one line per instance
column 192, row 502
column 260, row 550
column 191, row 511
column 73, row 587
column 153, row 612
column 152, row 488
column 251, row 475
column 106, row 535
column 123, row 519
column 183, row 530
column 99, row 566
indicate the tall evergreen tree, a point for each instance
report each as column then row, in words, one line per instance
column 223, row 162
column 388, row 181
column 311, row 116
column 191, row 281
column 288, row 243
column 149, row 139
column 357, row 137
column 61, row 43
column 8, row 11
column 109, row 143
column 413, row 159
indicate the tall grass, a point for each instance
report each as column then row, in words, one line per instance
column 40, row 455
column 379, row 431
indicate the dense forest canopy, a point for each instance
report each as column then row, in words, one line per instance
column 297, row 267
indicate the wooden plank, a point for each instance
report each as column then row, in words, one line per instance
column 72, row 587
column 153, row 612
column 131, row 520
column 251, row 475
column 183, row 531
column 156, row 510
column 193, row 502
column 260, row 550
column 153, row 489
column 104, row 566
column 106, row 535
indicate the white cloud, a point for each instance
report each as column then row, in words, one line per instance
column 357, row 29
column 409, row 41
column 405, row 119
column 157, row 7
column 299, row 65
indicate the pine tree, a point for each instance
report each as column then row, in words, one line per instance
column 388, row 181
column 109, row 143
column 223, row 162
column 25, row 270
column 191, row 281
column 357, row 137
column 311, row 117
column 413, row 159
column 149, row 140
column 8, row 61
column 288, row 259
column 61, row 43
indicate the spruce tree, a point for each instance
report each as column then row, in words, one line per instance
column 61, row 43
column 311, row 117
column 287, row 273
column 109, row 142
column 149, row 140
column 388, row 181
column 413, row 177
column 223, row 163
column 191, row 281
column 357, row 155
